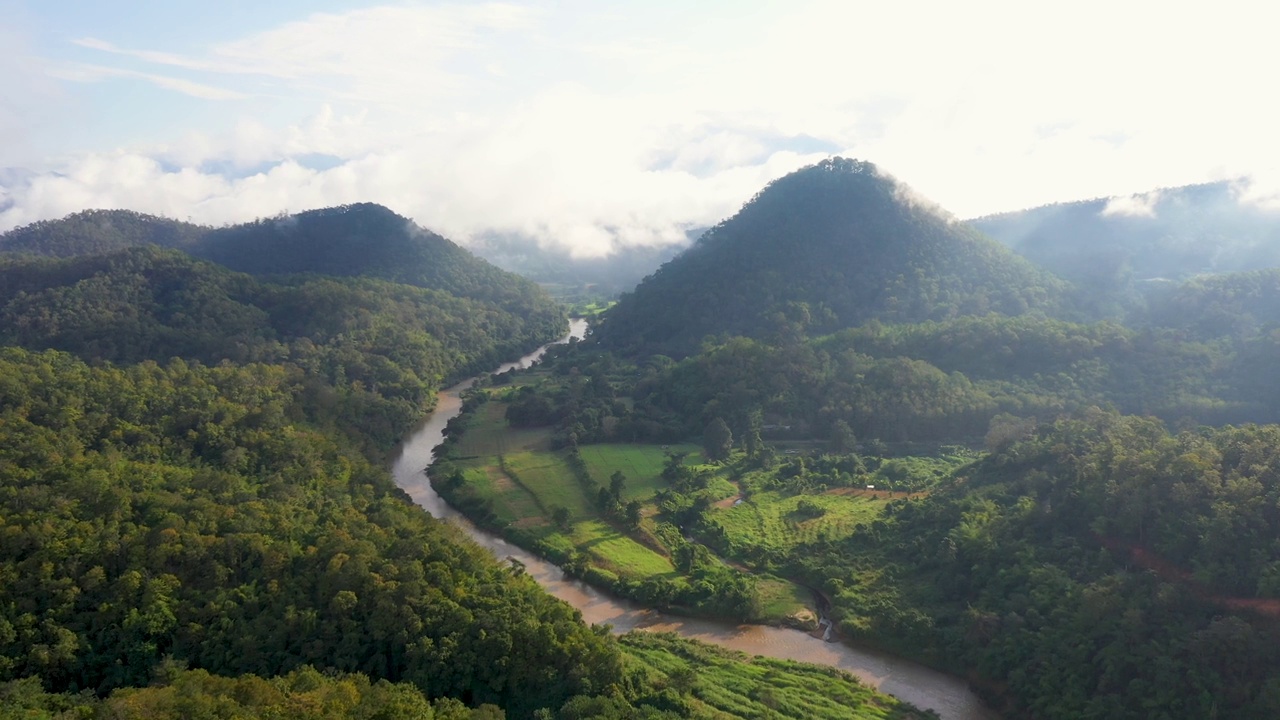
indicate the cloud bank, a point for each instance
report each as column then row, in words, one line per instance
column 588, row 127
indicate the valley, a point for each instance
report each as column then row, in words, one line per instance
column 839, row 413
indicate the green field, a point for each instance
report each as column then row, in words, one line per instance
column 488, row 434
column 719, row 683
column 641, row 464
column 525, row 481
column 771, row 518
column 516, row 474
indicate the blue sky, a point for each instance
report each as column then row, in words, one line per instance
column 592, row 124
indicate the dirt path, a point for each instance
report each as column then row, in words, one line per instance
column 1144, row 558
column 729, row 502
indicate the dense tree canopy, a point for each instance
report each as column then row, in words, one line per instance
column 178, row 511
column 830, row 246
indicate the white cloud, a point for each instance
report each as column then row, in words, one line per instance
column 96, row 73
column 584, row 126
column 1140, row 205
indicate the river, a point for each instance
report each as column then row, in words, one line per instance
column 910, row 681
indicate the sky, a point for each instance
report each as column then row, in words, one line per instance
column 588, row 125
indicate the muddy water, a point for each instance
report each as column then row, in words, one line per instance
column 910, row 681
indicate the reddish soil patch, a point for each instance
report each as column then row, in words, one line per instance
column 877, row 494
column 529, row 522
column 729, row 501
column 1144, row 558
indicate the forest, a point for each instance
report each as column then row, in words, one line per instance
column 1074, row 500
column 196, row 519
column 839, row 404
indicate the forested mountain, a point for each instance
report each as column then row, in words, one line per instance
column 364, row 240
column 387, row 348
column 92, row 232
column 830, row 246
column 1097, row 567
column 200, row 488
column 368, row 240
column 1113, row 247
column 1232, row 305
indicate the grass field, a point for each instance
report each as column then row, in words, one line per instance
column 779, row 598
column 641, row 464
column 489, row 435
column 618, row 552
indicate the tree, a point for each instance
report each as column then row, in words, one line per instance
column 842, row 438
column 560, row 515
column 617, row 483
column 752, row 442
column 717, row 439
column 633, row 514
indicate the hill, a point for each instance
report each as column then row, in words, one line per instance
column 1112, row 247
column 829, row 246
column 91, row 232
column 364, row 239
column 367, row 240
column 386, row 347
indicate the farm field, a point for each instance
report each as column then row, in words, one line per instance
column 731, row 685
column 641, row 464
column 524, row 482
column 534, row 491
column 774, row 520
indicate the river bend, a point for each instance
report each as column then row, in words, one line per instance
column 922, row 686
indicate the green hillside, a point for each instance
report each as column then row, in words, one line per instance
column 830, row 246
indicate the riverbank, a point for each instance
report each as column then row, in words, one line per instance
column 922, row 686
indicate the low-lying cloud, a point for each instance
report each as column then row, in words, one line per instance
column 589, row 128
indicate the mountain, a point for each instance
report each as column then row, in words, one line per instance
column 381, row 349
column 91, row 232
column 364, row 239
column 830, row 246
column 1113, row 247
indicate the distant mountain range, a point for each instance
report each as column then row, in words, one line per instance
column 1111, row 247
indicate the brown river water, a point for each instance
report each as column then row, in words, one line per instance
column 910, row 681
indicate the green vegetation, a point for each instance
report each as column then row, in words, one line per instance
column 705, row 681
column 1100, row 567
column 181, row 694
column 1118, row 259
column 363, row 240
column 827, row 247
column 666, row 678
column 641, row 465
column 178, row 511
column 377, row 350
column 654, row 522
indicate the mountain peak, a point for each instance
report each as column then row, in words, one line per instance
column 841, row 237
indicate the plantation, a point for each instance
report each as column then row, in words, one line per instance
column 778, row 522
column 707, row 681
column 658, row 522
